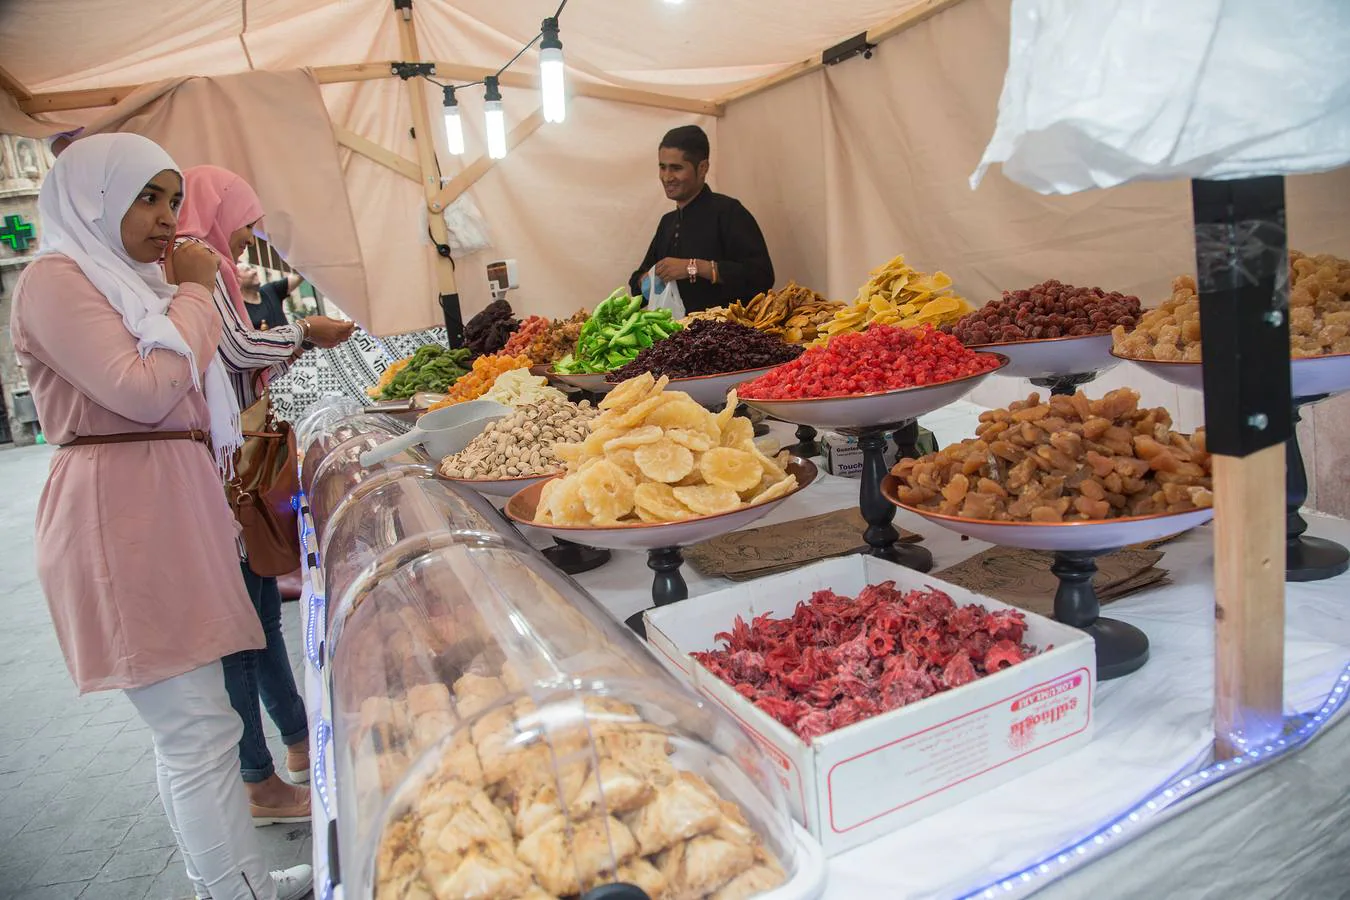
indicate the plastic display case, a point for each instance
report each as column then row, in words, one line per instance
column 376, row 520
column 325, row 438
column 498, row 735
column 325, row 411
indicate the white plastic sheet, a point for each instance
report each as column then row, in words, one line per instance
column 1099, row 94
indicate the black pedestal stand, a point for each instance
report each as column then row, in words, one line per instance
column 1064, row 384
column 667, row 587
column 806, row 446
column 881, row 535
column 575, row 558
column 1121, row 648
column 1305, row 558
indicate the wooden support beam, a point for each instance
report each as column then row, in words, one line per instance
column 375, row 71
column 374, row 152
column 924, row 9
column 430, row 179
column 13, row 86
column 1249, row 574
column 481, row 166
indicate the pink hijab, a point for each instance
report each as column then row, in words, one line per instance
column 216, row 203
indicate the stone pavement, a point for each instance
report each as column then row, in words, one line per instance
column 80, row 817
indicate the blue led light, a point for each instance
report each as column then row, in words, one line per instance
column 1186, row 787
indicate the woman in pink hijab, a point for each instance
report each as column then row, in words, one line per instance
column 221, row 209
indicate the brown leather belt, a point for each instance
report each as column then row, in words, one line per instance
column 131, row 437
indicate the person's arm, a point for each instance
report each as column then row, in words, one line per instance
column 635, row 280
column 244, row 349
column 66, row 323
column 745, row 269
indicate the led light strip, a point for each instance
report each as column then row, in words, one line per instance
column 323, row 733
column 1299, row 730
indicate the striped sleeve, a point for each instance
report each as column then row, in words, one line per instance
column 245, row 350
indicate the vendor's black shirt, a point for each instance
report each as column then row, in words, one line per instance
column 270, row 312
column 715, row 227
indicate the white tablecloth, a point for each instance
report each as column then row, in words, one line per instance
column 1280, row 832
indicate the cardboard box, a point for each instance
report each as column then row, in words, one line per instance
column 843, row 458
column 883, row 773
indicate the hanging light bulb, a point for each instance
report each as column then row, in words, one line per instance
column 454, row 125
column 496, row 118
column 551, row 76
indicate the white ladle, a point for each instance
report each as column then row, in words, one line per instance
column 443, row 432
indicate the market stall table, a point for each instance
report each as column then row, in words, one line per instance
column 1153, row 731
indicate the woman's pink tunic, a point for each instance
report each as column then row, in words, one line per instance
column 135, row 542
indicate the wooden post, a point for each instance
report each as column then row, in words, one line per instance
column 431, row 182
column 1242, row 263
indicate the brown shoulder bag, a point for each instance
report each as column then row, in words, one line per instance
column 265, row 482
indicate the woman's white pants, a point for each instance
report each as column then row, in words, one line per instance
column 196, row 734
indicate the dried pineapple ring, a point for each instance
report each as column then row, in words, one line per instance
column 694, row 440
column 777, row 490
column 629, row 393
column 728, row 411
column 566, row 504
column 739, row 433
column 655, row 502
column 738, row 470
column 664, row 461
column 647, row 434
column 708, row 499
column 625, row 459
column 639, row 413
column 685, row 414
column 607, row 491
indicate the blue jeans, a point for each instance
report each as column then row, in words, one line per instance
column 265, row 673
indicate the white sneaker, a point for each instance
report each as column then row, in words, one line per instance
column 291, row 884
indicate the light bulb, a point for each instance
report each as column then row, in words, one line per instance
column 454, row 125
column 496, row 129
column 551, row 80
column 496, row 118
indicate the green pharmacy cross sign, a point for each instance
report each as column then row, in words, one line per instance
column 17, row 233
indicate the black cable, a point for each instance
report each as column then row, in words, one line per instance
column 560, row 9
column 534, row 40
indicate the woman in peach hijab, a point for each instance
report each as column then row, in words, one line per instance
column 134, row 538
column 222, row 210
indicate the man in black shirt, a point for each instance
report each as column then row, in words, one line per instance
column 266, row 302
column 710, row 244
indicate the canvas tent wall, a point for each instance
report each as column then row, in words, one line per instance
column 843, row 166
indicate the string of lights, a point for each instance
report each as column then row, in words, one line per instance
column 552, row 84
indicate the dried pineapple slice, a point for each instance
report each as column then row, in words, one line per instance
column 728, row 467
column 664, row 461
column 655, row 502
column 708, row 499
column 606, row 491
column 647, row 434
column 694, row 440
column 739, row 433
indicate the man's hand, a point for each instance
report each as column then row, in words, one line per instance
column 672, row 269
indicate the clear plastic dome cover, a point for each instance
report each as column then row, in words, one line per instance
column 324, row 411
column 498, row 735
column 342, row 471
column 328, row 436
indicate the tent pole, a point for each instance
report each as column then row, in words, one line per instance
column 12, row 86
column 1242, row 265
column 431, row 183
column 58, row 101
column 375, row 153
column 469, row 175
column 917, row 13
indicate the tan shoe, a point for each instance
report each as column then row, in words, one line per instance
column 297, row 763
column 277, row 803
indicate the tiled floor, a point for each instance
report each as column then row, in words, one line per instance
column 80, row 817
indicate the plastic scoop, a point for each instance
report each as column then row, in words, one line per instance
column 443, row 431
